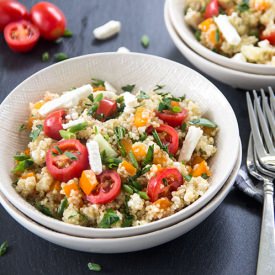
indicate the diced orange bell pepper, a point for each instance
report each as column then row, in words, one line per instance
column 142, row 117
column 139, row 151
column 200, row 169
column 160, row 158
column 88, row 181
column 127, row 144
column 98, row 88
column 27, row 151
column 196, row 160
column 131, row 170
column 174, row 103
column 27, row 175
column 37, row 105
column 204, row 26
column 69, row 187
column 30, row 122
column 163, row 203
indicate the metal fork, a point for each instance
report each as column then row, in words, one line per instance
column 266, row 256
column 266, row 155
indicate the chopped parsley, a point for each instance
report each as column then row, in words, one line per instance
column 198, row 35
column 22, row 127
column 43, row 209
column 110, row 217
column 244, row 6
column 3, row 248
column 94, row 267
column 128, row 88
column 217, row 35
column 36, row 132
column 67, row 33
column 142, row 95
column 21, row 157
column 57, row 148
column 45, row 56
column 183, row 127
column 133, row 159
column 143, row 136
column 79, row 127
column 159, row 142
column 97, row 82
column 158, row 87
column 110, row 162
column 120, row 133
column 149, row 156
column 166, row 104
column 203, row 122
column 70, row 155
column 145, row 41
column 63, row 205
column 204, row 176
column 187, row 177
column 60, row 57
column 23, row 162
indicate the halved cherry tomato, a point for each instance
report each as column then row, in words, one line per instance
column 270, row 38
column 11, row 11
column 173, row 119
column 106, row 109
column 212, row 9
column 21, row 36
column 168, row 135
column 108, row 188
column 61, row 165
column 165, row 182
column 49, row 19
column 53, row 124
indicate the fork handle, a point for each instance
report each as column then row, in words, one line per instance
column 266, row 255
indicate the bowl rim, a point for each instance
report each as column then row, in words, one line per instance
column 43, row 231
column 185, row 33
column 32, row 212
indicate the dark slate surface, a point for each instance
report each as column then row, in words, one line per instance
column 225, row 243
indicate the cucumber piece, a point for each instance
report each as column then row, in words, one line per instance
column 104, row 145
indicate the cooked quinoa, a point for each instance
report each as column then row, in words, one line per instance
column 240, row 29
column 105, row 157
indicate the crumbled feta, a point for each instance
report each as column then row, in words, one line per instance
column 123, row 50
column 239, row 57
column 107, row 30
column 94, row 156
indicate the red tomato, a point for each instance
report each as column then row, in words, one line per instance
column 108, row 188
column 173, row 119
column 106, row 108
column 61, row 166
column 21, row 36
column 168, row 135
column 212, row 9
column 11, row 11
column 49, row 19
column 270, row 38
column 165, row 182
column 53, row 124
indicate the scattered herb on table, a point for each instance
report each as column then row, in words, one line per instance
column 94, row 267
column 60, row 57
column 67, row 33
column 145, row 41
column 3, row 248
column 45, row 56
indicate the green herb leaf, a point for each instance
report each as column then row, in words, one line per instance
column 120, row 99
column 60, row 57
column 66, row 134
column 183, row 127
column 110, row 217
column 63, row 205
column 204, row 176
column 58, row 149
column 143, row 195
column 45, row 56
column 127, row 220
column 127, row 189
column 142, row 95
column 67, row 33
column 217, row 35
column 159, row 142
column 23, row 165
column 43, row 209
column 176, row 109
column 198, row 35
column 36, row 132
column 110, row 162
column 203, row 122
column 98, row 98
column 143, row 136
column 128, row 88
column 70, row 155
column 187, row 177
column 78, row 127
column 158, row 87
column 244, row 6
column 149, row 156
column 97, row 82
column 93, row 109
column 21, row 157
column 22, row 127
column 3, row 248
column 145, row 41
column 133, row 159
column 94, row 267
column 120, row 132
column 91, row 97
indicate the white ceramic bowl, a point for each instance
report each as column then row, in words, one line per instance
column 126, row 244
column 120, row 69
column 231, row 77
column 176, row 8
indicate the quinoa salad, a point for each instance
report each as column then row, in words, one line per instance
column 240, row 29
column 104, row 157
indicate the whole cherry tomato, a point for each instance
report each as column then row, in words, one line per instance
column 212, row 9
column 11, row 11
column 67, row 159
column 53, row 124
column 21, row 36
column 49, row 19
column 165, row 182
column 108, row 188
